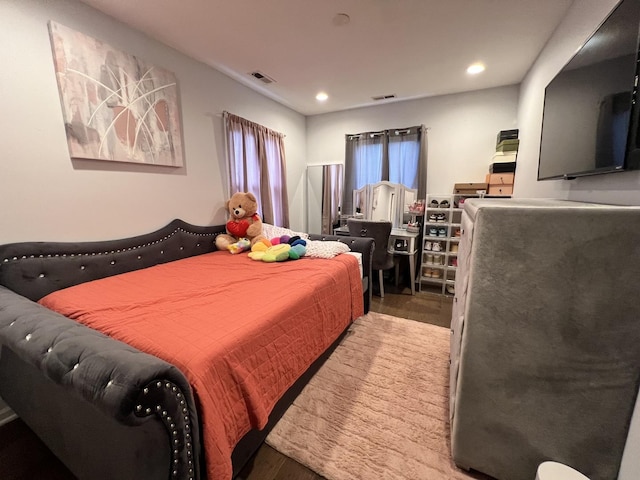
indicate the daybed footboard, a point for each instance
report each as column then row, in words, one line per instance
column 107, row 396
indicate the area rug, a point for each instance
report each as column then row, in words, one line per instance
column 378, row 408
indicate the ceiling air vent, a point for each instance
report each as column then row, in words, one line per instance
column 384, row 97
column 262, row 77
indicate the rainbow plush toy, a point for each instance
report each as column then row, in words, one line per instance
column 240, row 246
column 281, row 249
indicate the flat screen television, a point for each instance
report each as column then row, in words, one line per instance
column 590, row 116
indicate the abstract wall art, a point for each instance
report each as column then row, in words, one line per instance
column 116, row 106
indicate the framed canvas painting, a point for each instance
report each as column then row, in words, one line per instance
column 116, row 106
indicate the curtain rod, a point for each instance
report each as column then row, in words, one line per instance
column 225, row 114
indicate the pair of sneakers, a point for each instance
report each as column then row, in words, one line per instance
column 433, row 246
column 432, row 272
column 437, row 217
column 435, row 204
column 433, row 259
column 437, row 232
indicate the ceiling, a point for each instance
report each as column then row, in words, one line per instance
column 407, row 48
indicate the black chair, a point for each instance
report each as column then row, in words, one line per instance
column 380, row 232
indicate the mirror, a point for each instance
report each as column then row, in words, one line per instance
column 324, row 193
column 360, row 204
column 410, row 197
column 384, row 202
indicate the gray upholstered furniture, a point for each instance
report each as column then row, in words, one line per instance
column 107, row 410
column 545, row 346
column 379, row 231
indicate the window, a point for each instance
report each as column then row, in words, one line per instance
column 257, row 164
column 395, row 155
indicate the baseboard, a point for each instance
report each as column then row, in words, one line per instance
column 7, row 415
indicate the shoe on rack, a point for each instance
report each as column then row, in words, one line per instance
column 441, row 217
column 454, row 262
column 437, row 260
column 433, row 232
column 456, row 233
column 461, row 203
column 434, row 203
column 444, row 204
column 436, row 247
column 436, row 273
column 433, row 217
column 427, row 245
column 454, row 248
column 426, row 272
column 451, row 289
column 429, row 258
column 442, row 232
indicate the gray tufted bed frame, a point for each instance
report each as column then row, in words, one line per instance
column 107, row 410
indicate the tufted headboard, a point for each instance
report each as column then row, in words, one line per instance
column 35, row 269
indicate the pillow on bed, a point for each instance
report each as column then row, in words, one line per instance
column 271, row 231
column 325, row 249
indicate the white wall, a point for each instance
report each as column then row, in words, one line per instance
column 461, row 137
column 582, row 18
column 46, row 196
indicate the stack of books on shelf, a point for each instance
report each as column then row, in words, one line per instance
column 503, row 163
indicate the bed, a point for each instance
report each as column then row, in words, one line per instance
column 157, row 356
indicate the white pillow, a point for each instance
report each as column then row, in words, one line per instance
column 325, row 249
column 271, row 231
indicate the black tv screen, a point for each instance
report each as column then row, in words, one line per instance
column 589, row 107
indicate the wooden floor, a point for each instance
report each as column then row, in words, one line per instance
column 24, row 457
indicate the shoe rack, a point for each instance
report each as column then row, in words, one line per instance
column 440, row 239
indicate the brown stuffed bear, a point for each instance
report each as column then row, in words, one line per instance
column 244, row 222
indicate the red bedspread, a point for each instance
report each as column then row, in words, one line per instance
column 241, row 331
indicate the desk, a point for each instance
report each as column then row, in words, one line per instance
column 401, row 243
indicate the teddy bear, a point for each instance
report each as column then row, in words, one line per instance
column 244, row 224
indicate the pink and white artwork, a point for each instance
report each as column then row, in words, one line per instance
column 116, row 107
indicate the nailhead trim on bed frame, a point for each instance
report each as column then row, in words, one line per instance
column 174, row 414
column 50, row 255
column 35, row 269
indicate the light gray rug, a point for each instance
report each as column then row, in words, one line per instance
column 378, row 408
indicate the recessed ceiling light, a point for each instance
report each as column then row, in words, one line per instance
column 475, row 69
column 321, row 97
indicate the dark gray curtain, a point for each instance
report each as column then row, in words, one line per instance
column 366, row 161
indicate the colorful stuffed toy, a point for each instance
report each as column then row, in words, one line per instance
column 244, row 223
column 282, row 249
column 240, row 246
